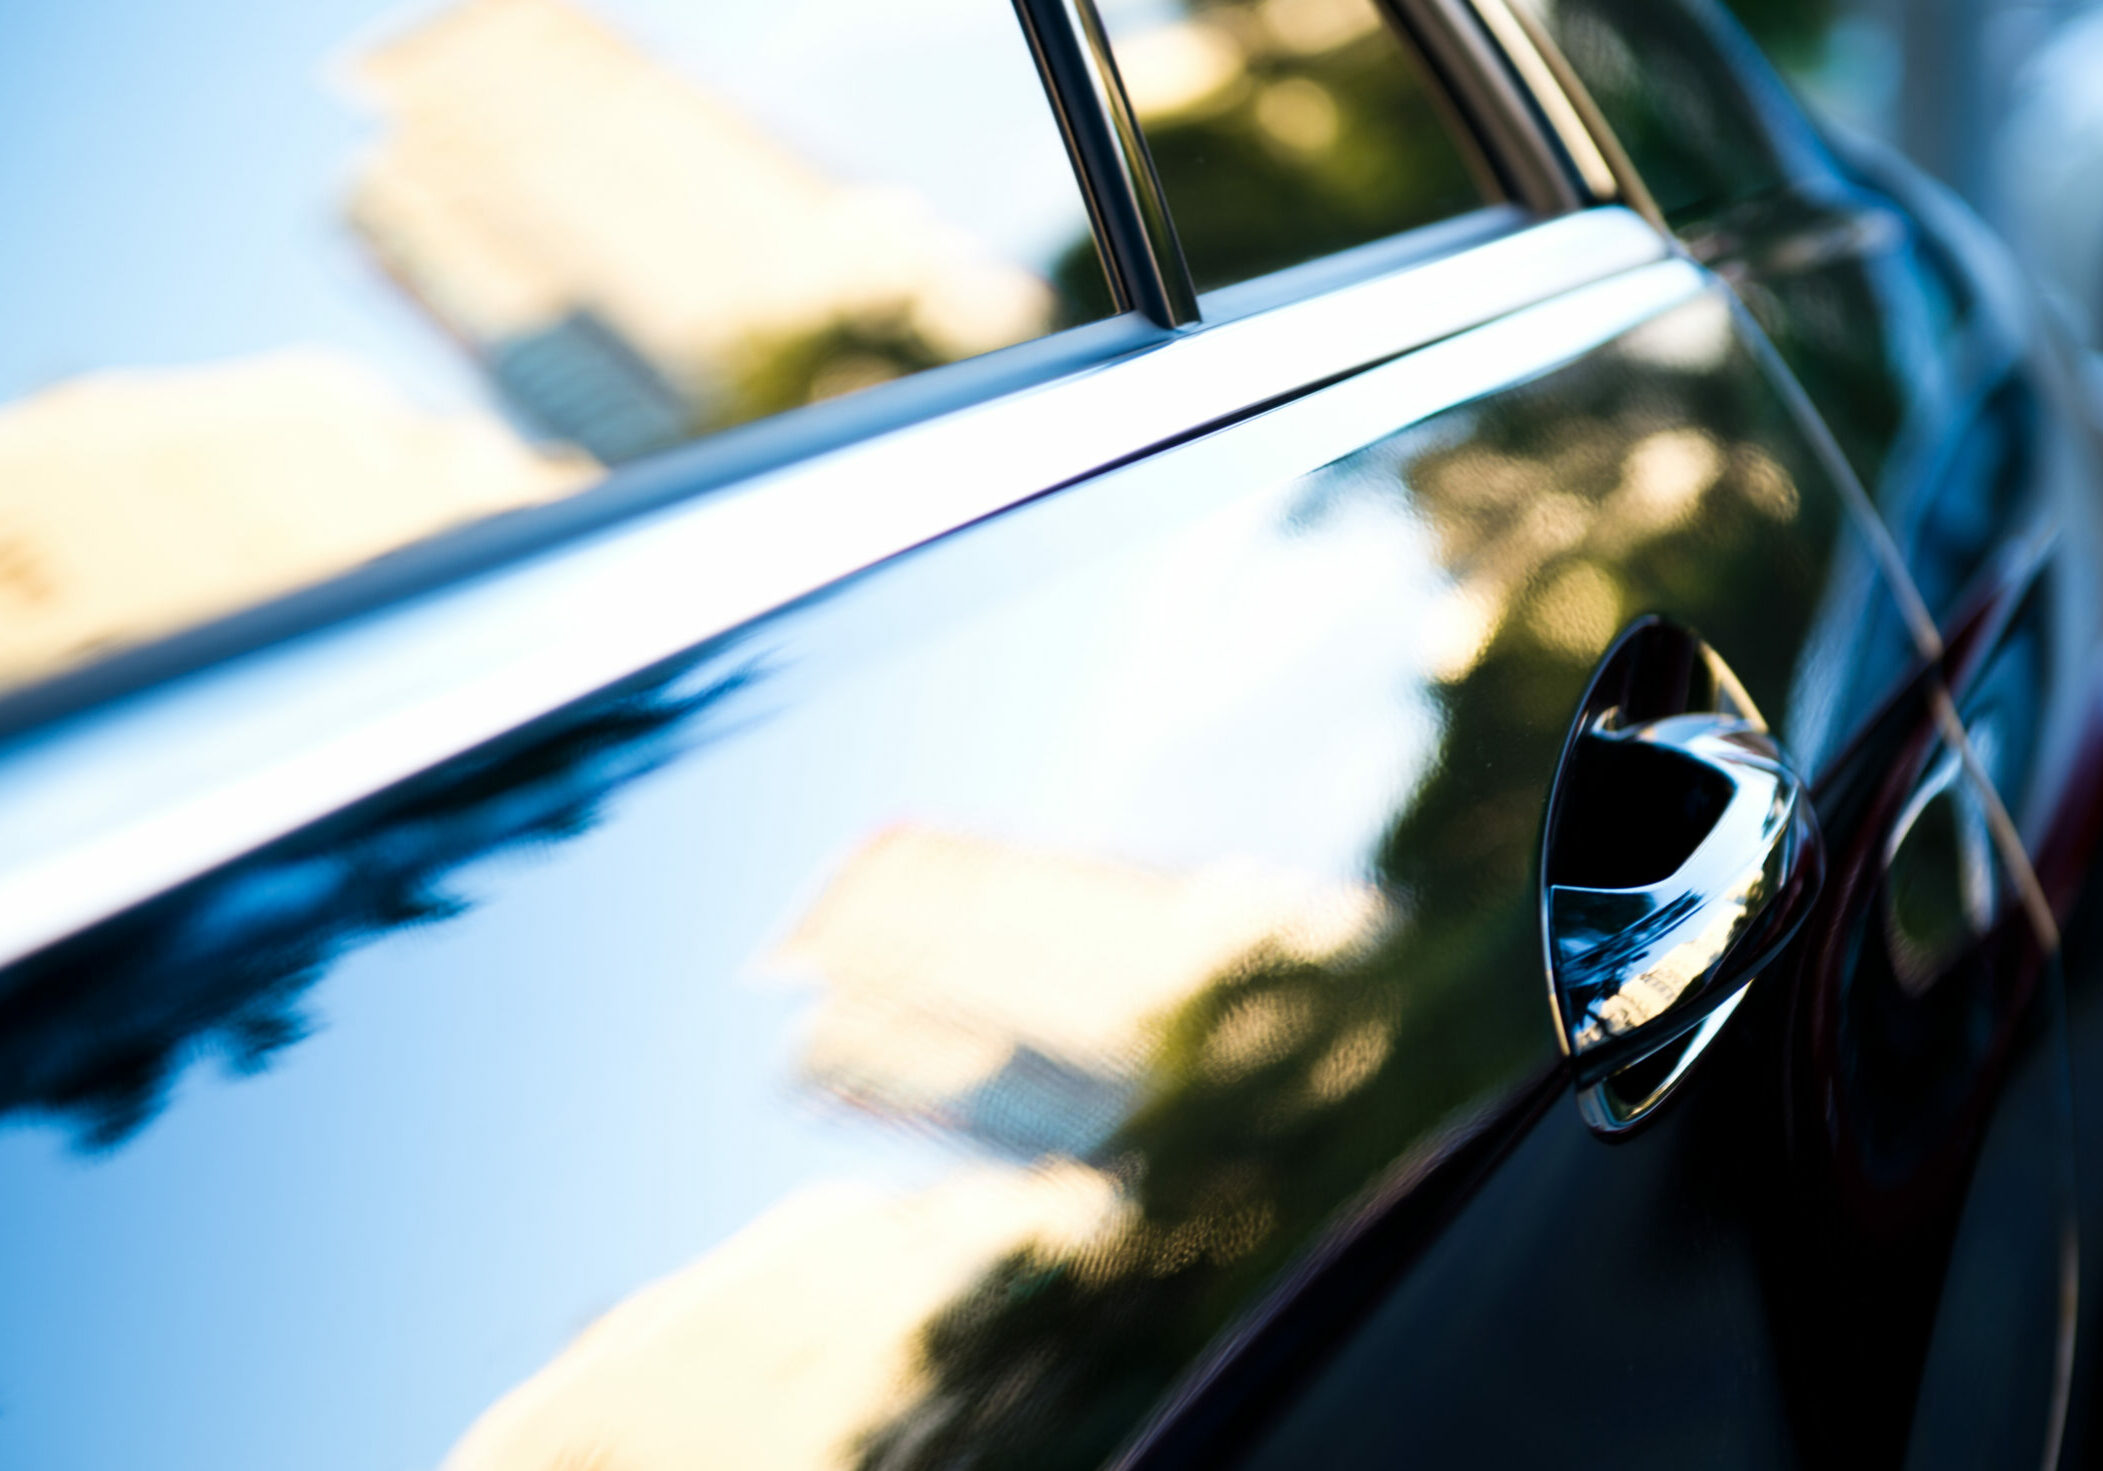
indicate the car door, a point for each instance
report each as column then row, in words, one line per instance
column 1953, row 407
column 1014, row 938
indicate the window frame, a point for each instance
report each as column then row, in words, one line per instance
column 1150, row 286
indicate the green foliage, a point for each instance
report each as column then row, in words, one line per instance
column 1792, row 32
column 1248, row 201
column 1291, row 1083
column 847, row 353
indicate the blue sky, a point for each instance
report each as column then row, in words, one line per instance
column 173, row 174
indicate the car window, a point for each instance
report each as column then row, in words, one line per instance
column 1659, row 71
column 1283, row 130
column 290, row 286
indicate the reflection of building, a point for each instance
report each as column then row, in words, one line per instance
column 619, row 246
column 1011, row 994
column 136, row 503
column 780, row 1348
column 1016, row 995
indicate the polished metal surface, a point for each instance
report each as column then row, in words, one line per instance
column 1161, row 284
column 1636, row 967
column 1519, row 145
column 1146, row 268
column 1681, row 853
column 109, row 809
column 1546, row 89
column 1569, row 87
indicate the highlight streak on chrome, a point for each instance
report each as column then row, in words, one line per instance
column 118, row 806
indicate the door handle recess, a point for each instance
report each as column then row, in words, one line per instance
column 1682, row 855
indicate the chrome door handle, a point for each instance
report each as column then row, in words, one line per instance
column 1687, row 855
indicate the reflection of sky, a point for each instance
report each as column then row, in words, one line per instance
column 571, row 1074
column 509, row 1121
column 175, row 173
column 567, row 1076
column 824, row 77
column 1130, row 17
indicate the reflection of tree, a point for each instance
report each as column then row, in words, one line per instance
column 856, row 350
column 846, row 354
column 1824, row 325
column 1880, row 325
column 98, row 1028
column 1304, row 151
column 1920, row 382
column 1658, row 72
column 1793, row 32
column 637, row 260
column 1287, row 1085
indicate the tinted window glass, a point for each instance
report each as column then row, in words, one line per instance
column 294, row 284
column 1286, row 129
column 1680, row 102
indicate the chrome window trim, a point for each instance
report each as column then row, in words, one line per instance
column 1520, row 45
column 1355, row 263
column 1563, row 96
column 1133, row 231
column 700, row 467
column 107, row 810
column 1464, row 58
column 1475, row 52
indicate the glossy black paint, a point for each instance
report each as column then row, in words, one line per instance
column 1780, row 1264
column 1021, row 698
column 384, row 1115
column 1960, row 414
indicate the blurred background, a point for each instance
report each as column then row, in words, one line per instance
column 1998, row 99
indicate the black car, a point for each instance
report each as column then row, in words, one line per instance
column 1402, row 773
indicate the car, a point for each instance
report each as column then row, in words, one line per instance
column 1262, row 732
